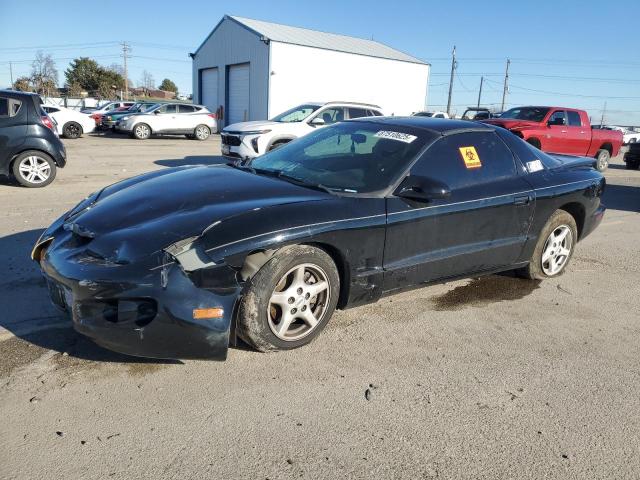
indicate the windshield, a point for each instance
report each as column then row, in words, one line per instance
column 296, row 114
column 533, row 114
column 354, row 157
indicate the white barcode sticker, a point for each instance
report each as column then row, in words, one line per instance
column 401, row 137
column 534, row 166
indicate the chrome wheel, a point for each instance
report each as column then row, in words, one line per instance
column 34, row 169
column 603, row 160
column 556, row 250
column 142, row 131
column 202, row 132
column 299, row 302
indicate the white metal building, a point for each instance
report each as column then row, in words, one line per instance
column 255, row 70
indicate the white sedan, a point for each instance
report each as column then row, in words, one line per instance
column 70, row 123
column 194, row 121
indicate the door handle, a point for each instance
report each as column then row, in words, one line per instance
column 583, row 132
column 523, row 200
column 563, row 131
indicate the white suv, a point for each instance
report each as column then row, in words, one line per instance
column 250, row 139
column 194, row 121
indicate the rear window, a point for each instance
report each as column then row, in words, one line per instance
column 525, row 151
column 9, row 107
column 185, row 109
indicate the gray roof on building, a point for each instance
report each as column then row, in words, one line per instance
column 328, row 41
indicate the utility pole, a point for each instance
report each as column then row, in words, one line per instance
column 480, row 92
column 603, row 111
column 506, row 85
column 11, row 73
column 125, row 54
column 453, row 68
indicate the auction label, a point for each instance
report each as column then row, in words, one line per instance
column 470, row 157
column 401, row 137
column 534, row 166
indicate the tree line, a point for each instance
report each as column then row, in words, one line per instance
column 83, row 75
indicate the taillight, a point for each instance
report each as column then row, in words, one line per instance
column 213, row 115
column 47, row 122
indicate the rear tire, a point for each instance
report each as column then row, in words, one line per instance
column 554, row 249
column 201, row 132
column 141, row 131
column 72, row 130
column 281, row 308
column 602, row 159
column 34, row 169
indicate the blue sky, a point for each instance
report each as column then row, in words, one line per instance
column 571, row 53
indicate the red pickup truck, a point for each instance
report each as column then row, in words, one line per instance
column 561, row 130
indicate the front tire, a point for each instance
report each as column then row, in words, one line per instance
column 289, row 300
column 554, row 249
column 141, row 131
column 34, row 169
column 602, row 159
column 72, row 130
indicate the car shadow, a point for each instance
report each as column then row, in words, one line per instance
column 622, row 197
column 28, row 313
column 193, row 160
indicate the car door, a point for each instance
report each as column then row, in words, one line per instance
column 481, row 226
column 578, row 137
column 13, row 128
column 186, row 119
column 556, row 137
column 164, row 118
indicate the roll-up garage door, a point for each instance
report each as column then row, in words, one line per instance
column 209, row 86
column 238, row 109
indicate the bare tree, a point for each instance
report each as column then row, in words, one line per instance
column 147, row 80
column 44, row 74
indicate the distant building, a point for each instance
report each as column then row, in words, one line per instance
column 152, row 92
column 255, row 70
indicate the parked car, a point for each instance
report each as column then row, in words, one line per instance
column 561, row 130
column 630, row 136
column 338, row 218
column 107, row 107
column 477, row 113
column 250, row 139
column 110, row 119
column 30, row 149
column 431, row 114
column 194, row 121
column 70, row 123
column 632, row 156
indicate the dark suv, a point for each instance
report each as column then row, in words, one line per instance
column 30, row 150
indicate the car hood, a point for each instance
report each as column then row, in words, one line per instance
column 511, row 124
column 243, row 127
column 145, row 214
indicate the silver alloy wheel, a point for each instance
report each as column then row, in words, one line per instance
column 299, row 302
column 142, row 131
column 34, row 169
column 557, row 250
column 202, row 132
column 603, row 160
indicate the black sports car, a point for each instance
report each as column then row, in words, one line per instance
column 179, row 263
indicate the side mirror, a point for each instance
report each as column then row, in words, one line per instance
column 422, row 189
column 318, row 121
column 156, row 112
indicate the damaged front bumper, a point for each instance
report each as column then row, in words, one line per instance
column 142, row 310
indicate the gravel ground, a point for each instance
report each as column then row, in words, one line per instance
column 483, row 378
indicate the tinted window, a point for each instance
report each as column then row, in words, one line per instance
column 574, row 119
column 358, row 113
column 466, row 159
column 358, row 157
column 9, row 107
column 168, row 109
column 332, row 115
column 557, row 118
column 185, row 109
column 374, row 113
column 525, row 151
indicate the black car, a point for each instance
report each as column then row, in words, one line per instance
column 266, row 251
column 30, row 150
column 632, row 157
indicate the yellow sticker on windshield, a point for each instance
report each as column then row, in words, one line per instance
column 470, row 157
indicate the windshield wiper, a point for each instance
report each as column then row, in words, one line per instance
column 304, row 183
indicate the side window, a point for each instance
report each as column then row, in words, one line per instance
column 375, row 113
column 185, row 109
column 358, row 112
column 557, row 118
column 466, row 159
column 168, row 109
column 9, row 107
column 332, row 115
column 574, row 119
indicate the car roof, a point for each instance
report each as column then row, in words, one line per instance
column 18, row 93
column 340, row 102
column 436, row 125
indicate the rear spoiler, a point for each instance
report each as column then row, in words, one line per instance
column 570, row 161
